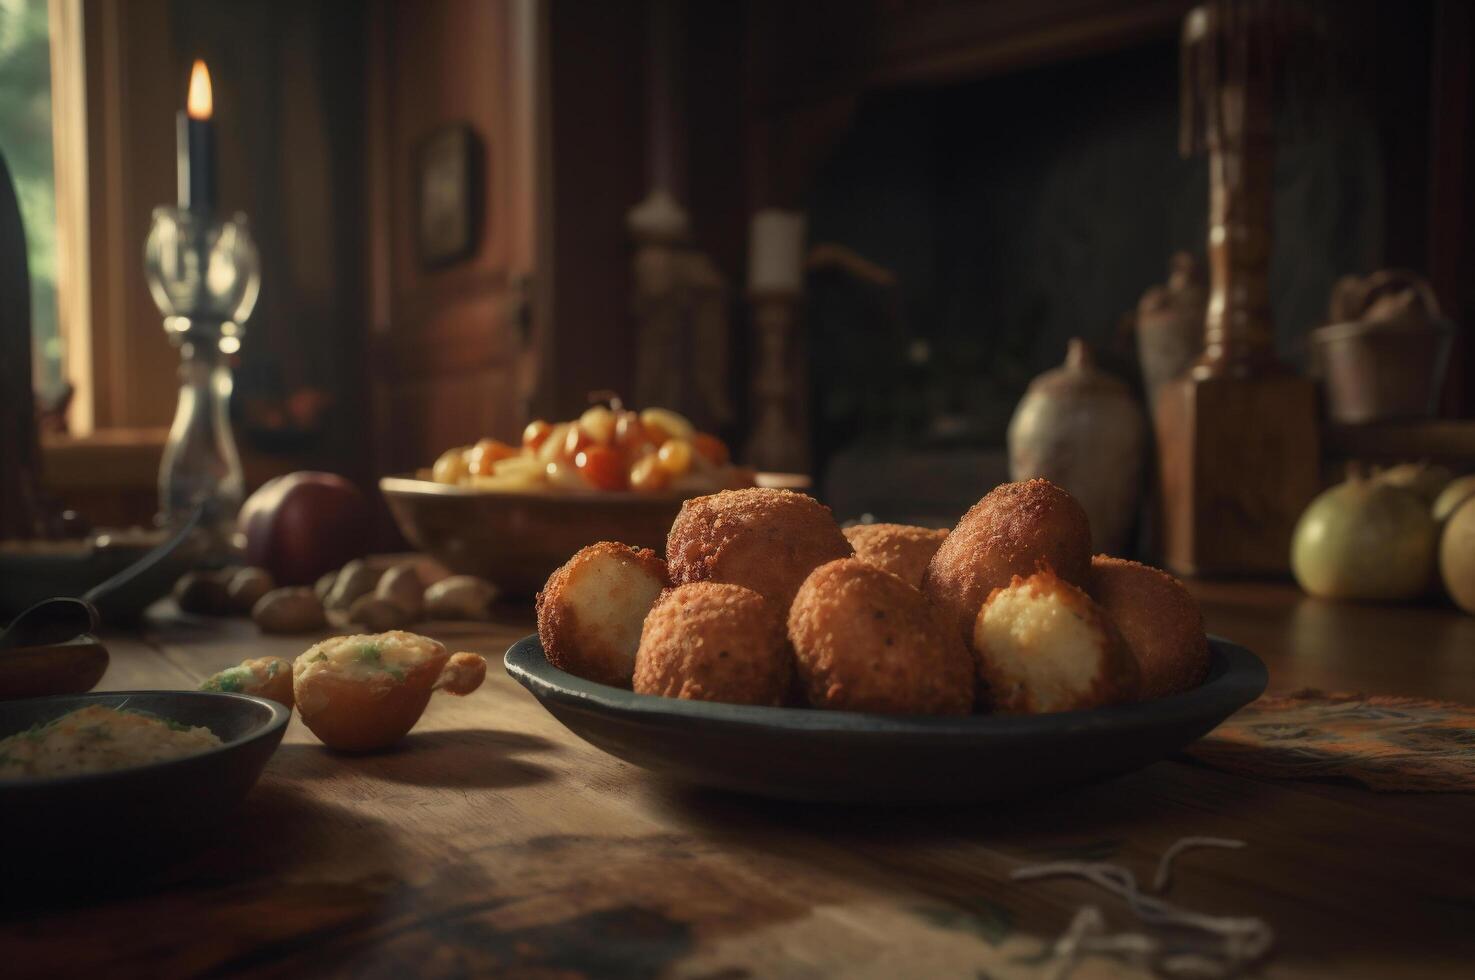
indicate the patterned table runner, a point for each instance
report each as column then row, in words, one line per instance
column 1388, row 744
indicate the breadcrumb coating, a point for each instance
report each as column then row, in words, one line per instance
column 762, row 539
column 1016, row 529
column 901, row 549
column 710, row 641
column 591, row 610
column 864, row 640
column 1160, row 621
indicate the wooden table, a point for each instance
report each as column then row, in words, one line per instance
column 493, row 842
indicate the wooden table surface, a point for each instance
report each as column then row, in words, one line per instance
column 493, row 842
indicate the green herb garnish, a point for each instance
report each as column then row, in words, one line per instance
column 369, row 654
column 395, row 672
column 231, row 679
column 318, row 659
column 176, row 726
column 272, row 668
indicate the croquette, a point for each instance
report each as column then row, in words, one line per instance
column 591, row 610
column 357, row 693
column 765, row 540
column 1157, row 618
column 864, row 640
column 1041, row 645
column 901, row 549
column 709, row 641
column 1016, row 529
column 265, row 677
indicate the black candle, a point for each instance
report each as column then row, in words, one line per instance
column 195, row 144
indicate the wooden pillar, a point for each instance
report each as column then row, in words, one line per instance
column 1238, row 434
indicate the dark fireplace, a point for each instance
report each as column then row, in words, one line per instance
column 1016, row 212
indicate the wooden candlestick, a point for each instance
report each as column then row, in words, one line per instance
column 778, row 442
column 1237, row 435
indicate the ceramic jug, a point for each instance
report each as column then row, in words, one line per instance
column 1081, row 428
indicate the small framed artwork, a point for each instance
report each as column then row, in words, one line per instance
column 448, row 188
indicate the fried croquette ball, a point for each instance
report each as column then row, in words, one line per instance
column 709, row 641
column 1042, row 645
column 763, row 539
column 590, row 611
column 1016, row 529
column 1157, row 618
column 864, row 640
column 901, row 549
column 265, row 677
column 358, row 693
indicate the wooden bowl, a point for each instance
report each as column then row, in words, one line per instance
column 849, row 757
column 516, row 540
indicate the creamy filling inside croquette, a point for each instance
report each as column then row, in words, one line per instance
column 614, row 594
column 384, row 655
column 248, row 676
column 1040, row 645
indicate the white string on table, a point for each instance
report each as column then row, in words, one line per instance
column 1223, row 946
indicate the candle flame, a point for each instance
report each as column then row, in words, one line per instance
column 201, row 103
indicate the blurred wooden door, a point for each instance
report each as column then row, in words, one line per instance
column 450, row 348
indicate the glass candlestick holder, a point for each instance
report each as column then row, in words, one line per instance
column 204, row 275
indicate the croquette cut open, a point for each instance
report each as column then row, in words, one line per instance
column 864, row 640
column 762, row 539
column 710, row 641
column 591, row 610
column 1016, row 529
column 1041, row 645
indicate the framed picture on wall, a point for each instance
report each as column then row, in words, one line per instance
column 448, row 187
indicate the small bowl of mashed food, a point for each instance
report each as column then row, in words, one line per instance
column 100, row 769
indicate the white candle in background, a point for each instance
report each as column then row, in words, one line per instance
column 776, row 251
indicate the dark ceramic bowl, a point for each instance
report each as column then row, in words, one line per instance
column 187, row 795
column 841, row 756
column 516, row 540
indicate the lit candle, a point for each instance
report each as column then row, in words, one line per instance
column 776, row 252
column 195, row 144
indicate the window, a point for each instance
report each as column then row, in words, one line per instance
column 26, row 141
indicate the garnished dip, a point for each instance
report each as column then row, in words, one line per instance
column 98, row 739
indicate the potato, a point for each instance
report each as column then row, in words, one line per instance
column 246, row 587
column 359, row 693
column 459, row 597
column 402, row 586
column 357, row 578
column 203, row 593
column 378, row 614
column 289, row 610
column 430, row 570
